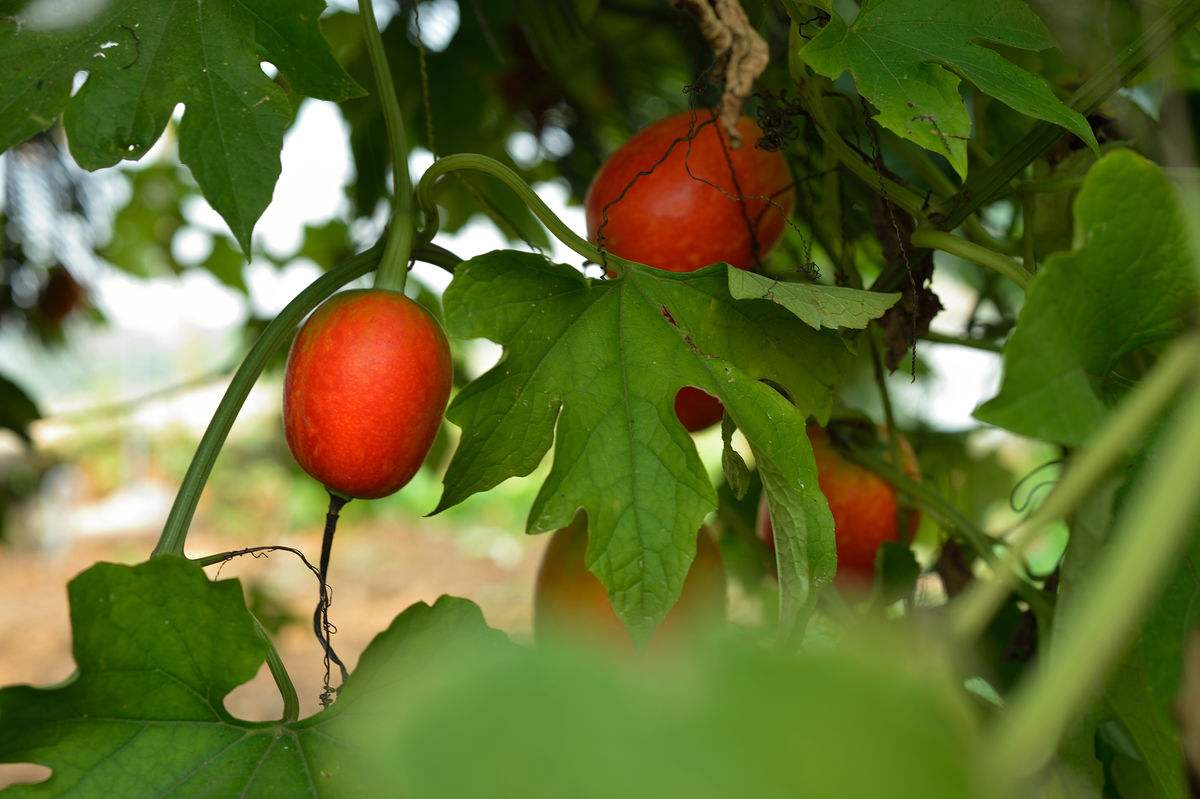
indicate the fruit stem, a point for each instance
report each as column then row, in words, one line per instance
column 321, row 625
column 974, row 608
column 279, row 331
column 393, row 266
column 472, row 162
column 947, row 242
column 1151, row 534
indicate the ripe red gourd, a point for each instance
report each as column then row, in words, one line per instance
column 570, row 601
column 673, row 220
column 367, row 381
column 863, row 505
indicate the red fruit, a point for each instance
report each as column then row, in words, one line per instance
column 674, row 221
column 671, row 220
column 863, row 507
column 697, row 409
column 367, row 381
column 570, row 601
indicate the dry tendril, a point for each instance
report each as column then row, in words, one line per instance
column 741, row 54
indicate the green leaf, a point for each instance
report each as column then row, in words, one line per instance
column 805, row 554
column 17, row 410
column 906, row 57
column 142, row 58
column 600, row 361
column 158, row 647
column 815, row 305
column 854, row 723
column 1128, row 285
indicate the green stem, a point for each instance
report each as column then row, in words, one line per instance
column 426, row 195
column 987, row 184
column 1028, row 240
column 973, row 343
column 291, row 700
column 393, row 266
column 927, row 499
column 1178, row 364
column 944, row 187
column 947, row 242
column 1151, row 534
column 976, row 232
column 1177, row 174
column 280, row 330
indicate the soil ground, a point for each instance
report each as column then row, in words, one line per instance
column 376, row 572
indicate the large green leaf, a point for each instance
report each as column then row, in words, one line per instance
column 906, row 57
column 143, row 58
column 601, row 362
column 722, row 722
column 158, row 647
column 1129, row 284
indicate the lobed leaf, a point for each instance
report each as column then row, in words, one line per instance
column 593, row 367
column 142, row 58
column 906, row 57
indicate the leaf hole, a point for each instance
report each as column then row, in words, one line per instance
column 257, row 700
column 22, row 774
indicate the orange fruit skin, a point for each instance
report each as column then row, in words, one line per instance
column 569, row 601
column 367, row 381
column 671, row 220
column 863, row 507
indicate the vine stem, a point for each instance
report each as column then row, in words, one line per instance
column 943, row 187
column 962, row 341
column 472, row 162
column 276, row 333
column 1152, row 531
column 947, row 242
column 393, row 266
column 973, row 609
